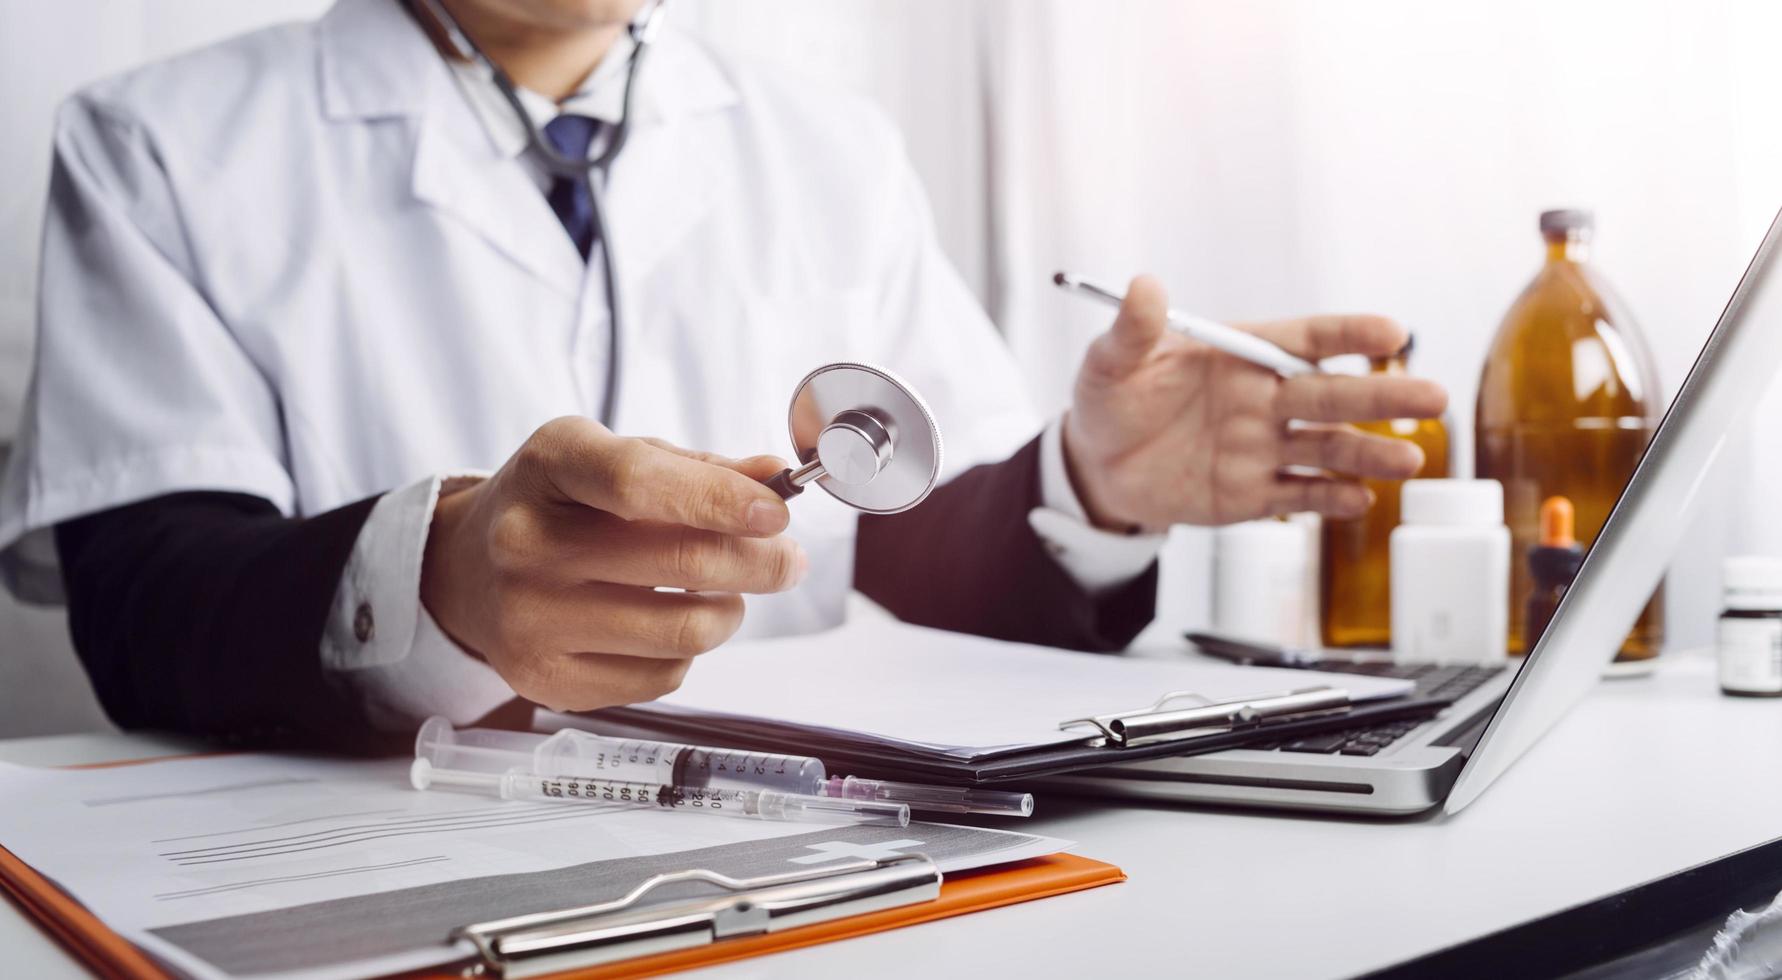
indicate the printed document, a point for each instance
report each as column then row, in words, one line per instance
column 271, row 865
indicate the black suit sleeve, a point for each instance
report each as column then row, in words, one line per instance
column 203, row 613
column 967, row 560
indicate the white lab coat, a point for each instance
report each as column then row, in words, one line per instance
column 292, row 265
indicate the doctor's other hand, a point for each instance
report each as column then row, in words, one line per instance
column 1166, row 430
column 549, row 569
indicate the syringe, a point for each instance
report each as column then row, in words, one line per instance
column 572, row 752
column 936, row 799
column 757, row 804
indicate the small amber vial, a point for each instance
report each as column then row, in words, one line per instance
column 1355, row 574
column 1552, row 565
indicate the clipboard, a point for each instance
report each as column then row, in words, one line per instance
column 877, row 904
column 542, row 943
column 1162, row 729
column 632, row 936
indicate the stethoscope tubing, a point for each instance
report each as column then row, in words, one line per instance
column 592, row 172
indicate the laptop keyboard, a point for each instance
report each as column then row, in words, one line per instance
column 1445, row 681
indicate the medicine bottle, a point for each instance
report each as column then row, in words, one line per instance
column 1568, row 401
column 1552, row 565
column 1354, row 563
column 1749, row 637
column 1261, row 574
column 1450, row 573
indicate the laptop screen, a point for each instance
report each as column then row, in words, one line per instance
column 1610, row 606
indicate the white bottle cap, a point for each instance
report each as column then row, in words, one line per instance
column 1752, row 582
column 1240, row 540
column 1467, row 503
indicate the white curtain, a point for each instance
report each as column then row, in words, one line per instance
column 1289, row 156
column 1265, row 158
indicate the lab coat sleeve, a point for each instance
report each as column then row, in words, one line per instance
column 934, row 333
column 947, row 348
column 139, row 388
column 949, row 562
column 381, row 640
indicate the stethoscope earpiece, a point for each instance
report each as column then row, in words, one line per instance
column 864, row 436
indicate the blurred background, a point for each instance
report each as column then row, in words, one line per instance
column 1264, row 159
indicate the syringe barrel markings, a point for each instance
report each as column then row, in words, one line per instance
column 572, row 752
column 586, row 754
column 517, row 784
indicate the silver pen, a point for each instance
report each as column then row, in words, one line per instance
column 1218, row 336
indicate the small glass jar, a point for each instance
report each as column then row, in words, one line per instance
column 1750, row 632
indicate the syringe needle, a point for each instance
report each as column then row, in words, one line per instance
column 938, row 799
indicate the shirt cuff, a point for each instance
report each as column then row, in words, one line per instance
column 1099, row 560
column 381, row 640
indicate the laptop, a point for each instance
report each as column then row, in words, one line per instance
column 1498, row 713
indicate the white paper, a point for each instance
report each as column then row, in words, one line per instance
column 961, row 694
column 179, row 842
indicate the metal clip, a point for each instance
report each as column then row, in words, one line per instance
column 545, row 942
column 1157, row 723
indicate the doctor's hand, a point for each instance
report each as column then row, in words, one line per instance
column 548, row 569
column 1165, row 430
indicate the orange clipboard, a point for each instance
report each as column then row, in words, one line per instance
column 110, row 955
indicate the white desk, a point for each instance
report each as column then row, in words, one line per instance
column 1647, row 777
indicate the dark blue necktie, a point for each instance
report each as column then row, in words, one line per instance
column 571, row 136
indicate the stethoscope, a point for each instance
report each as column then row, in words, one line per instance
column 861, row 433
column 643, row 30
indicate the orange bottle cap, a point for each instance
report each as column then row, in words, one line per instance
column 1557, row 523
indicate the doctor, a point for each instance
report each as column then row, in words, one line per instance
column 332, row 426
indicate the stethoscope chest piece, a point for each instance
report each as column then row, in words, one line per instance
column 864, row 436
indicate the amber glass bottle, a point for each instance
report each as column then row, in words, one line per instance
column 1354, row 573
column 1567, row 403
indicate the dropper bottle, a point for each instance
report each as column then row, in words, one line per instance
column 1552, row 564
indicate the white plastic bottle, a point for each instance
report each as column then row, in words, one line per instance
column 1450, row 573
column 1260, row 576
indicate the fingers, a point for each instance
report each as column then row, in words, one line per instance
column 1346, row 450
column 1317, row 337
column 580, row 460
column 1142, row 319
column 598, row 645
column 759, row 467
column 586, row 681
column 604, row 618
column 1349, row 398
column 753, row 467
column 1328, row 495
column 653, row 554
